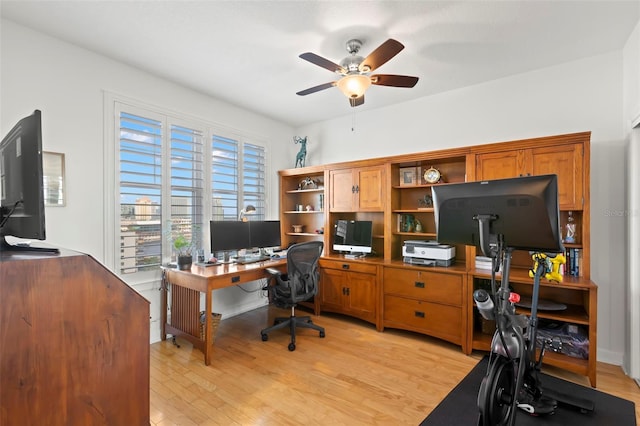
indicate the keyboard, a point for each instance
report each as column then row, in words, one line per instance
column 206, row 264
column 243, row 260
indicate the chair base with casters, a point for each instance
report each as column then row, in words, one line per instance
column 293, row 322
column 298, row 284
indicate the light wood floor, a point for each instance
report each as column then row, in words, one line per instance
column 354, row 376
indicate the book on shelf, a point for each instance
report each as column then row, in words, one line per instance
column 406, row 223
column 574, row 260
column 484, row 262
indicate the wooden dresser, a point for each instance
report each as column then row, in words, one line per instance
column 75, row 343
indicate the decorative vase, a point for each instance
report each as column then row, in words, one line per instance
column 184, row 262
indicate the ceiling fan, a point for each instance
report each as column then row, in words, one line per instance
column 356, row 71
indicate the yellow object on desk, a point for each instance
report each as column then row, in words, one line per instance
column 552, row 266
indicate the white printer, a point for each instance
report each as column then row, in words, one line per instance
column 428, row 253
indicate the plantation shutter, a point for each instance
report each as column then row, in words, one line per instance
column 253, row 182
column 187, row 184
column 140, row 180
column 224, row 178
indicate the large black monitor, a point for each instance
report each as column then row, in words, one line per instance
column 522, row 211
column 265, row 233
column 228, row 235
column 21, row 188
column 354, row 236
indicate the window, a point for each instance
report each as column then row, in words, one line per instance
column 140, row 182
column 169, row 185
column 226, row 181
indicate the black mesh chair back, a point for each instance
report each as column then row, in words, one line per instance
column 299, row 283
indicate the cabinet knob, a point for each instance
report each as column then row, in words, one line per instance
column 357, row 188
column 419, row 284
column 345, row 266
column 353, row 188
column 419, row 314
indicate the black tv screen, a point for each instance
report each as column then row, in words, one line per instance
column 524, row 211
column 22, row 196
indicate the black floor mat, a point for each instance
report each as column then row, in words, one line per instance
column 460, row 406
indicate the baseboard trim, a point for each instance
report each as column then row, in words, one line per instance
column 609, row 357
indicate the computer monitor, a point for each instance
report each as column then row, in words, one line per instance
column 21, row 187
column 523, row 212
column 265, row 233
column 229, row 235
column 353, row 236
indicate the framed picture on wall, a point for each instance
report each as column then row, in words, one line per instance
column 53, row 178
column 408, row 176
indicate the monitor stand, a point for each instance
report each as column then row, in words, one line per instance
column 355, row 255
column 25, row 248
column 226, row 258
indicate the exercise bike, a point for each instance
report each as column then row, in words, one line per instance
column 501, row 216
column 512, row 380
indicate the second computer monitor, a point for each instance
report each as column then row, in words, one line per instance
column 265, row 233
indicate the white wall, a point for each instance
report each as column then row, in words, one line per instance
column 584, row 95
column 631, row 98
column 67, row 84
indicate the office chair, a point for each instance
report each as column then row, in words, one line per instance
column 298, row 284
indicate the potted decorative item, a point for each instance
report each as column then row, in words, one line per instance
column 185, row 242
column 183, row 250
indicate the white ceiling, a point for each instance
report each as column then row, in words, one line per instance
column 246, row 52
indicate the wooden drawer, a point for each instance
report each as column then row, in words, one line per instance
column 348, row 266
column 431, row 318
column 424, row 285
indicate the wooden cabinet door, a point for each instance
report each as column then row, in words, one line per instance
column 332, row 284
column 500, row 165
column 370, row 188
column 341, row 190
column 361, row 295
column 566, row 162
column 563, row 160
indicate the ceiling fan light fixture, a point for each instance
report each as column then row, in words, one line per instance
column 353, row 86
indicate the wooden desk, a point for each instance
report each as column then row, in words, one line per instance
column 186, row 287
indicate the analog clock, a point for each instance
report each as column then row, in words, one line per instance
column 432, row 175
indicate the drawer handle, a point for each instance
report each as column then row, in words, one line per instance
column 345, row 266
column 419, row 284
column 419, row 314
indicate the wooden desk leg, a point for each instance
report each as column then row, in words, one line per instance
column 208, row 338
column 164, row 283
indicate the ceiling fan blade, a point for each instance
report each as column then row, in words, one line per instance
column 322, row 62
column 382, row 54
column 354, row 102
column 394, row 80
column 316, row 88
